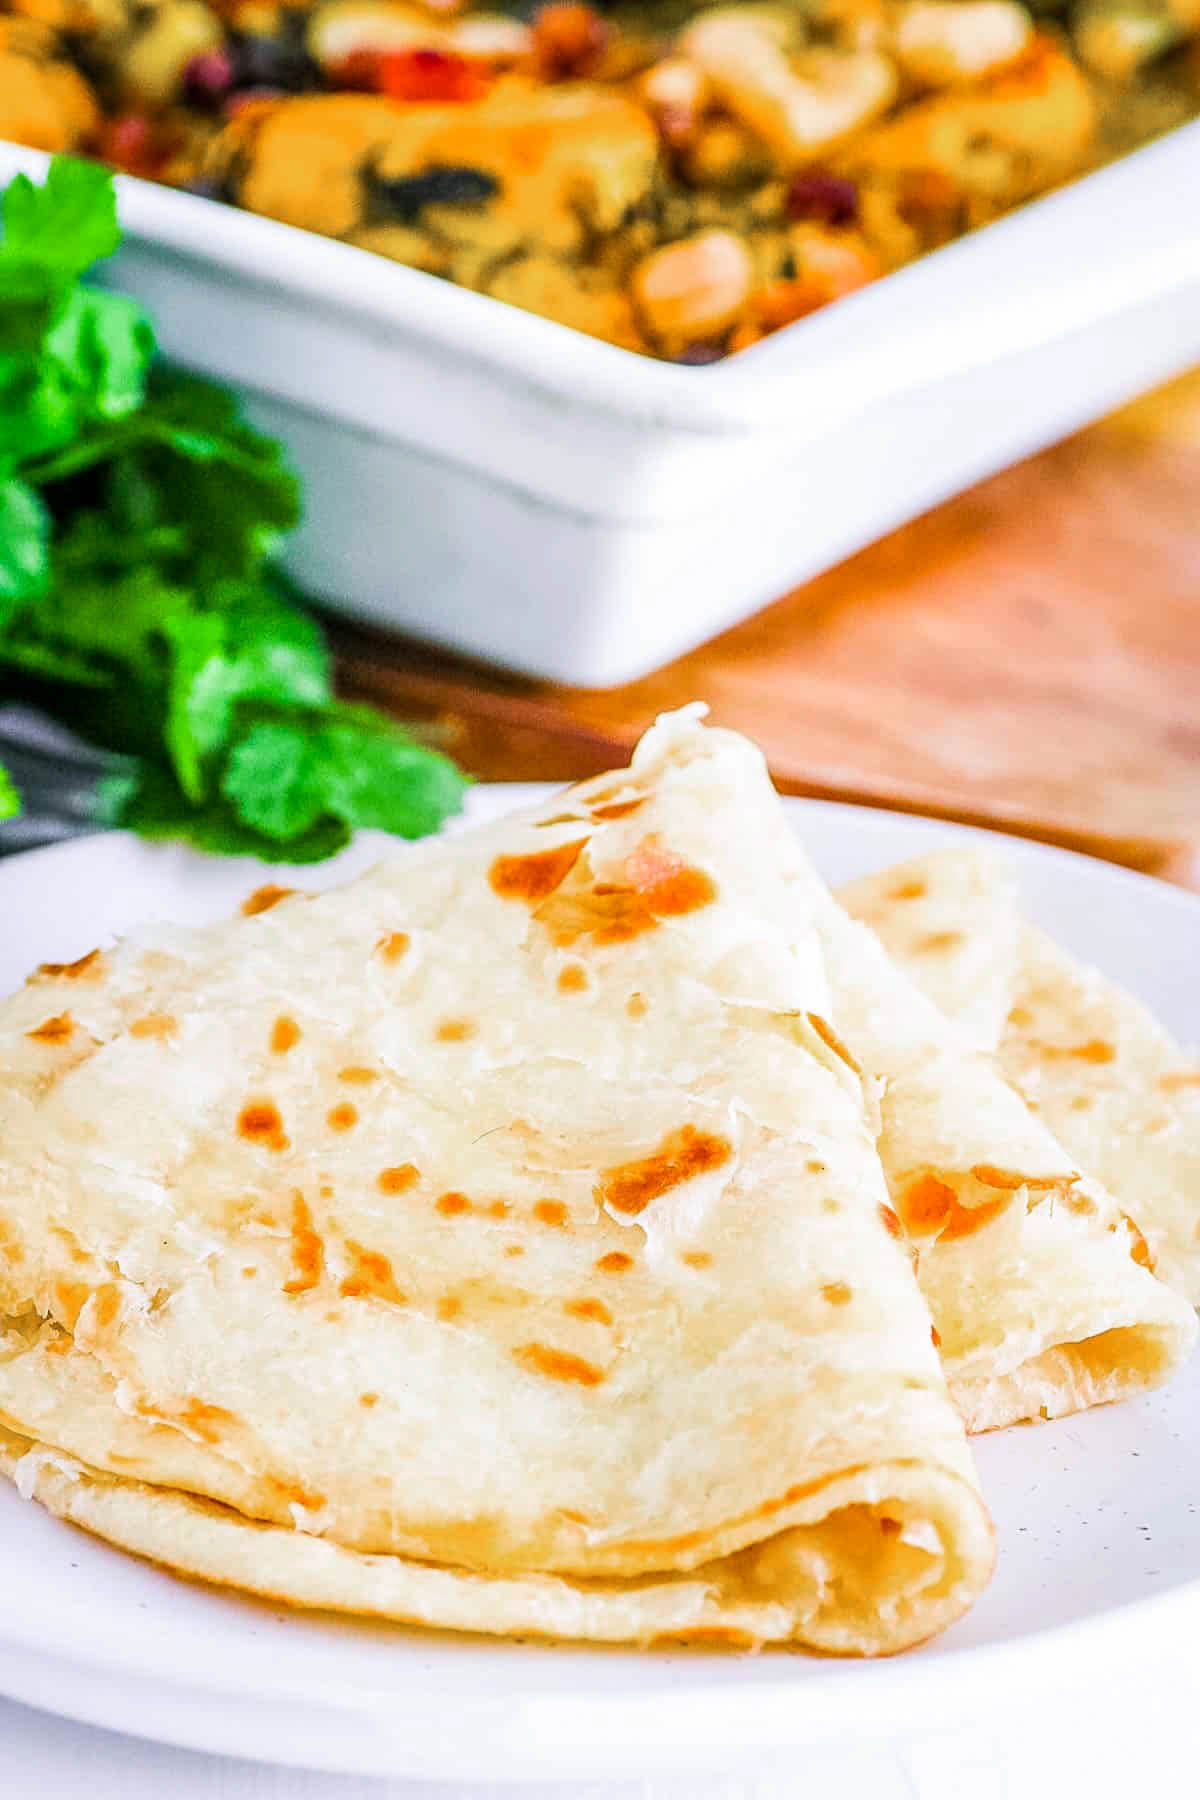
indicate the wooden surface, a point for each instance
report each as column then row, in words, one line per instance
column 1027, row 656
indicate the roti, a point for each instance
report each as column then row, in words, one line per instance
column 497, row 1242
column 1111, row 1083
column 1037, row 1279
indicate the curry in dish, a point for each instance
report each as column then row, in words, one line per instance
column 676, row 180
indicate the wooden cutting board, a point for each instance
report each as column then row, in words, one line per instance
column 1027, row 657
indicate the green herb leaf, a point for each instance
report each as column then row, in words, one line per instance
column 376, row 777
column 232, row 484
column 10, row 803
column 62, row 227
column 51, row 235
column 138, row 516
column 273, row 780
column 346, row 764
column 24, row 534
column 258, row 651
column 105, row 343
column 120, row 623
column 158, row 808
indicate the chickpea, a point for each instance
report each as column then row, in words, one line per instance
column 336, row 30
column 694, row 289
column 1117, row 38
column 796, row 105
column 723, row 155
column 153, row 64
column 674, row 85
column 943, row 42
column 492, row 36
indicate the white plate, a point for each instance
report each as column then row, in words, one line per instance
column 1099, row 1574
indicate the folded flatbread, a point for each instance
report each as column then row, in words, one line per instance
column 1105, row 1077
column 1035, row 1277
column 498, row 1242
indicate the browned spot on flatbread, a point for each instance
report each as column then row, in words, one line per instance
column 706, row 1637
column 635, row 1006
column 397, row 1180
column 614, row 1262
column 837, row 1293
column 588, row 1309
column 617, row 809
column 829, row 1036
column 937, row 941
column 368, row 1400
column 342, row 1117
column 550, row 1212
column 70, row 1298
column 84, row 968
column 264, row 898
column 1095, row 1050
column 106, row 1304
column 259, row 1122
column 653, row 884
column 450, row 1204
column 669, row 885
column 57, row 1029
column 498, row 1209
column 370, row 1276
column 196, row 1417
column 891, row 1221
column 1020, row 1016
column 392, row 947
column 358, row 1075
column 1011, row 1179
column 448, row 1308
column 682, row 1156
column 205, row 1420
column 74, row 1247
column 1076, row 1202
column 931, row 1208
column 572, row 979
column 1139, row 1249
column 533, row 878
column 697, row 1259
column 285, row 1035
column 911, row 888
column 514, row 1249
column 456, row 1031
column 155, row 1025
column 292, row 1494
column 308, row 1251
column 935, row 1337
column 558, row 1365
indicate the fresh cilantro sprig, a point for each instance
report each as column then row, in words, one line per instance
column 139, row 515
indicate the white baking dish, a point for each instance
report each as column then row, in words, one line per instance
column 488, row 480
